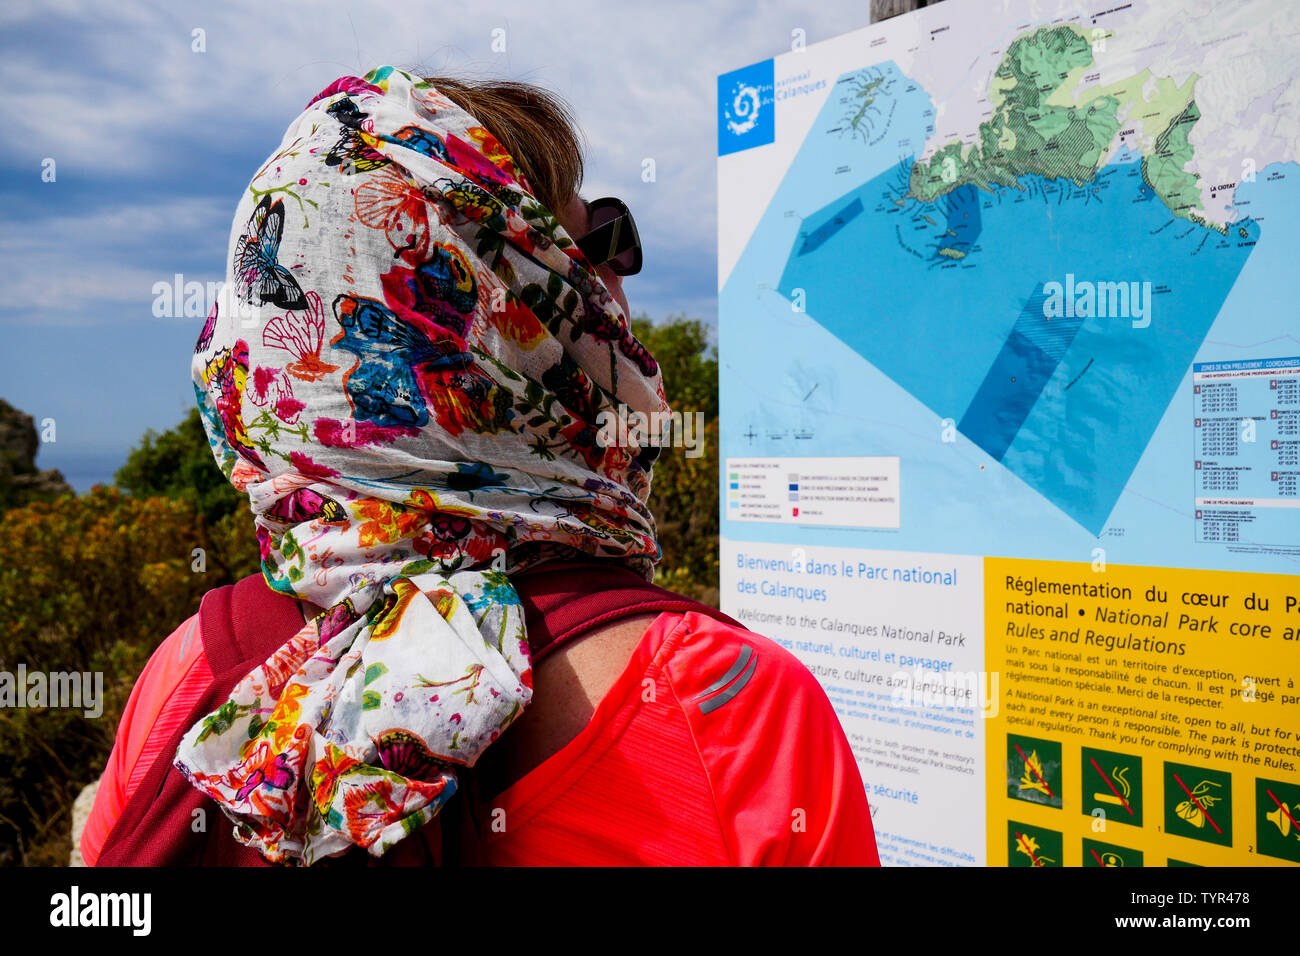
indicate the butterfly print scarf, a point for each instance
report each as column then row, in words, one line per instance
column 403, row 373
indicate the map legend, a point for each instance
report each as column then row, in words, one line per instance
column 843, row 492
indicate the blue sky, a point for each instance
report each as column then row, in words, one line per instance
column 153, row 142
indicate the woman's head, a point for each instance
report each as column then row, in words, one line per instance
column 411, row 372
column 401, row 313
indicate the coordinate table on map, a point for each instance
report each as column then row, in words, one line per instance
column 1247, row 421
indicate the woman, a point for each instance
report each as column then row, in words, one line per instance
column 404, row 373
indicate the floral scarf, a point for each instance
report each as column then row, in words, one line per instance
column 404, row 373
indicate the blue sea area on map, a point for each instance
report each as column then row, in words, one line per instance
column 814, row 240
column 925, row 314
column 1029, row 358
column 1071, row 424
column 961, row 210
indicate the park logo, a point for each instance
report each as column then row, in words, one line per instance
column 746, row 115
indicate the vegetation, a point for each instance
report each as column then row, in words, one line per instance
column 685, row 510
column 94, row 583
column 88, row 584
column 178, row 464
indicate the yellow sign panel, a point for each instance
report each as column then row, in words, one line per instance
column 1144, row 716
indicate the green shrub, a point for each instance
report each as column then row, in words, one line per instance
column 87, row 584
column 684, row 496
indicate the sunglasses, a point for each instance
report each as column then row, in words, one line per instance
column 612, row 239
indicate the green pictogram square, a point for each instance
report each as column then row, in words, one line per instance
column 1096, row 853
column 1277, row 813
column 1034, row 770
column 1032, row 846
column 1198, row 803
column 1112, row 783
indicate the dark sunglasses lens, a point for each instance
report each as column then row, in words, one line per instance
column 618, row 233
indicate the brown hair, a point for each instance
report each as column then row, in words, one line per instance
column 535, row 126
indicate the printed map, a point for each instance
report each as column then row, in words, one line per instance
column 1030, row 241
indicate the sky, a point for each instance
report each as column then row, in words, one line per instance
column 127, row 148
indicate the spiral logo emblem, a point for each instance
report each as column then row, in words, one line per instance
column 745, row 105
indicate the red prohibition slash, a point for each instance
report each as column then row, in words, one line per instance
column 1035, row 772
column 1100, row 861
column 1026, row 846
column 1198, row 805
column 1112, row 788
column 1282, row 806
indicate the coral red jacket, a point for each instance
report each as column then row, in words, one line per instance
column 715, row 746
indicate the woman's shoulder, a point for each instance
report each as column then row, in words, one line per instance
column 713, row 662
column 781, row 769
column 744, row 744
column 177, row 662
column 746, row 698
column 176, row 665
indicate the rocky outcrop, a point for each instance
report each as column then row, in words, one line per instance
column 20, row 480
column 80, row 814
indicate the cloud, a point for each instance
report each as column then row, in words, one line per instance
column 70, row 268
